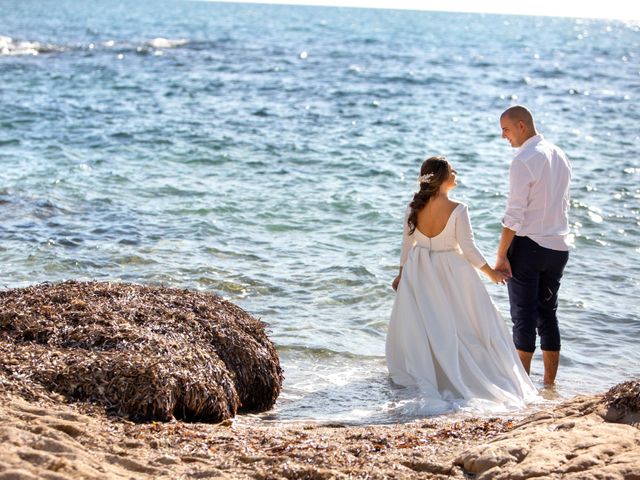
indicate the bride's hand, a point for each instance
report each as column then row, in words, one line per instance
column 395, row 283
column 497, row 276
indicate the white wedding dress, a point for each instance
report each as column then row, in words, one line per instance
column 446, row 335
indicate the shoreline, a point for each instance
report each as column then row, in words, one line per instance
column 147, row 365
column 79, row 440
column 46, row 437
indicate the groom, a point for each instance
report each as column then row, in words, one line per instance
column 534, row 245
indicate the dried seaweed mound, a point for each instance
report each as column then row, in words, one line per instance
column 624, row 397
column 145, row 352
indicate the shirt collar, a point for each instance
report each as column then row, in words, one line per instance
column 530, row 142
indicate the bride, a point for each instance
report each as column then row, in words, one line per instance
column 446, row 336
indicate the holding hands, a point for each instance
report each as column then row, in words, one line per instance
column 497, row 275
column 503, row 265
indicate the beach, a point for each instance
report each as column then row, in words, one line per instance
column 267, row 153
column 113, row 380
column 43, row 436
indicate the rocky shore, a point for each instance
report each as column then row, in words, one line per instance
column 104, row 381
column 49, row 438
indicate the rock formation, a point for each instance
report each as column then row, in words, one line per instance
column 148, row 353
column 576, row 440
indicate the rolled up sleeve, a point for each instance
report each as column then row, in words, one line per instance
column 520, row 178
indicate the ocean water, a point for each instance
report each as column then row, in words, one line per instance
column 266, row 153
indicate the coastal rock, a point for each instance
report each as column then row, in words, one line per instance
column 148, row 353
column 622, row 404
column 571, row 441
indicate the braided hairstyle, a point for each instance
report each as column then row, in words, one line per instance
column 439, row 169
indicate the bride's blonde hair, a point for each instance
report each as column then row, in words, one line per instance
column 433, row 172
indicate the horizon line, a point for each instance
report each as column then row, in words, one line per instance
column 540, row 9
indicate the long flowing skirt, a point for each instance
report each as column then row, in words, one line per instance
column 447, row 337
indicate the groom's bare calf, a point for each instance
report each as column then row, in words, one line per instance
column 525, row 358
column 551, row 359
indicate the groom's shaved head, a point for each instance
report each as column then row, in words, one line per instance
column 518, row 113
column 517, row 125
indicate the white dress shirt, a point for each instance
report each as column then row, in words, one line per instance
column 538, row 203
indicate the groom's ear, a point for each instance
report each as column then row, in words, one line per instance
column 522, row 127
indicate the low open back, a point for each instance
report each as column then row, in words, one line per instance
column 451, row 215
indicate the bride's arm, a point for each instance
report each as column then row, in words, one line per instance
column 407, row 243
column 464, row 235
column 407, row 240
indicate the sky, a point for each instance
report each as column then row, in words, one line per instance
column 610, row 9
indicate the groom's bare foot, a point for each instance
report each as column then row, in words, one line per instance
column 549, row 392
column 551, row 360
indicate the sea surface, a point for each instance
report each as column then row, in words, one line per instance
column 267, row 153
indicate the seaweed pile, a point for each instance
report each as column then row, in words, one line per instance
column 624, row 397
column 143, row 352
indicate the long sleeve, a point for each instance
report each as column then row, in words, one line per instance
column 464, row 236
column 520, row 178
column 407, row 240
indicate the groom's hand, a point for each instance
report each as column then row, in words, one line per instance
column 503, row 265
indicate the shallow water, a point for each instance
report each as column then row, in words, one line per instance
column 266, row 153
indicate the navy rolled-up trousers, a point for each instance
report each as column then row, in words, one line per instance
column 533, row 293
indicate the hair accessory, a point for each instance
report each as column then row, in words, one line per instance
column 425, row 178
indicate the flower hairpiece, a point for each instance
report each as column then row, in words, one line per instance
column 425, row 178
